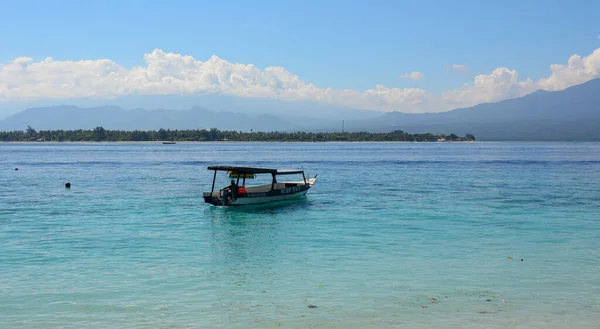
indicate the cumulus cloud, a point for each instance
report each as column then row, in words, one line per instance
column 501, row 84
column 169, row 73
column 578, row 69
column 413, row 76
column 504, row 83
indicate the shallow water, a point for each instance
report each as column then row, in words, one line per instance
column 394, row 235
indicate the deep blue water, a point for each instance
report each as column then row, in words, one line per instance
column 393, row 235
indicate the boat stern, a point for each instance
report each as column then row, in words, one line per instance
column 212, row 198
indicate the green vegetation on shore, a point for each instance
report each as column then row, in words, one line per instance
column 100, row 134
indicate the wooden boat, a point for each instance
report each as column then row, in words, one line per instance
column 239, row 195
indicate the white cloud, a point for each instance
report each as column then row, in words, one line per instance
column 501, row 84
column 413, row 76
column 578, row 70
column 504, row 83
column 460, row 68
column 168, row 73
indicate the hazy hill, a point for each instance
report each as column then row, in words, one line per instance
column 112, row 117
column 570, row 114
column 287, row 110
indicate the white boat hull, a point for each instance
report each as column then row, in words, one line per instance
column 266, row 199
column 255, row 198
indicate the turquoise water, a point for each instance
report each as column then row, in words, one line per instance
column 394, row 235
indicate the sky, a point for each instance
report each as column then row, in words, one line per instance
column 408, row 56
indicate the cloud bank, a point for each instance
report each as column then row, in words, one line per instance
column 169, row 73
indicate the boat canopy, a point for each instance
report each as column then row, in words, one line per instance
column 234, row 174
column 249, row 170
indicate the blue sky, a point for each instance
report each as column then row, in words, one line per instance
column 332, row 44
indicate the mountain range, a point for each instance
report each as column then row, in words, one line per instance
column 570, row 114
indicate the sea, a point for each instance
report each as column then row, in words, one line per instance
column 393, row 235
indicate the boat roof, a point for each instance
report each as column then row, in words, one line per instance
column 252, row 170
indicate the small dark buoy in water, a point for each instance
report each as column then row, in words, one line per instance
column 16, row 168
column 521, row 259
column 68, row 185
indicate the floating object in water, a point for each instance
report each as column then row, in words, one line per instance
column 509, row 257
column 266, row 193
column 16, row 168
column 521, row 259
column 312, row 306
column 68, row 185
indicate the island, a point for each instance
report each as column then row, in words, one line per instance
column 99, row 134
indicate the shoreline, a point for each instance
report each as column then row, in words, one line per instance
column 100, row 134
column 189, row 142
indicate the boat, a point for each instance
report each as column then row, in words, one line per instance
column 239, row 195
column 168, row 142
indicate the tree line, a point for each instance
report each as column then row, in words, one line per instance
column 99, row 134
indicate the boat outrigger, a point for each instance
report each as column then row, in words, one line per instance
column 237, row 195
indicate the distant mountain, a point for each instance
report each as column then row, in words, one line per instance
column 287, row 110
column 570, row 114
column 112, row 117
